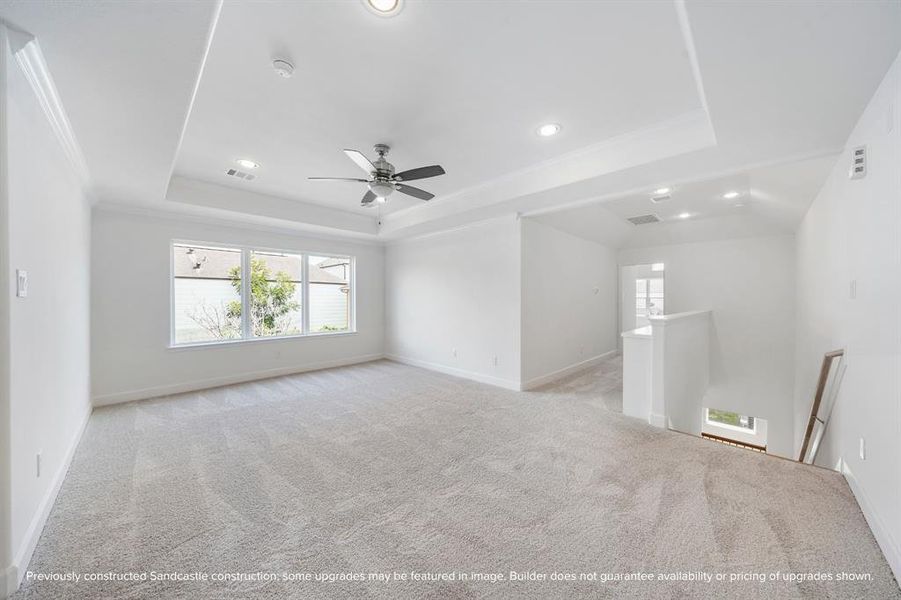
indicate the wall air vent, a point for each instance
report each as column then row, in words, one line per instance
column 644, row 219
column 858, row 163
column 240, row 174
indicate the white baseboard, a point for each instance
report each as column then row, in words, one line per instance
column 204, row 384
column 16, row 572
column 8, row 582
column 565, row 371
column 481, row 378
column 887, row 543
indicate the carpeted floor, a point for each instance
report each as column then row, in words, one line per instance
column 382, row 468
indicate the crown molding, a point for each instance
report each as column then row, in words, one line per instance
column 28, row 55
column 188, row 213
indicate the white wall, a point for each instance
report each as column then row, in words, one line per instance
column 852, row 232
column 749, row 284
column 457, row 291
column 681, row 369
column 130, row 326
column 569, row 291
column 6, row 552
column 48, row 234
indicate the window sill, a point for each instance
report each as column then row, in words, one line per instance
column 257, row 340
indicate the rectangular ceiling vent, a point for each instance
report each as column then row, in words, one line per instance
column 644, row 219
column 660, row 198
column 240, row 175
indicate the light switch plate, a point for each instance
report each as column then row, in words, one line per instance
column 21, row 283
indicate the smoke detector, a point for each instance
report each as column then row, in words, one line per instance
column 283, row 68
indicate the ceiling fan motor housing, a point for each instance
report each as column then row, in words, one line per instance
column 381, row 188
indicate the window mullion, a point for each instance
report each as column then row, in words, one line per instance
column 305, row 293
column 246, row 280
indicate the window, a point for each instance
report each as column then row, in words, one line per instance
column 289, row 294
column 276, row 294
column 206, row 294
column 329, row 293
column 649, row 297
column 731, row 419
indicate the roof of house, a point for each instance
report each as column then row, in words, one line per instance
column 198, row 262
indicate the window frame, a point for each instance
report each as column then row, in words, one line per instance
column 646, row 296
column 247, row 336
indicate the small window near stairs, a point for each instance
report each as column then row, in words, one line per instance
column 734, row 428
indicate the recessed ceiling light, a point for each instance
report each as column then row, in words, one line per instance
column 283, row 68
column 731, row 195
column 384, row 8
column 549, row 129
column 661, row 191
column 684, row 215
column 247, row 164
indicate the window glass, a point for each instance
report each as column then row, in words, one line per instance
column 329, row 293
column 210, row 302
column 207, row 293
column 733, row 419
column 276, row 286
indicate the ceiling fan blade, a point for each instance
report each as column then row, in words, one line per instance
column 361, row 160
column 337, row 179
column 420, row 173
column 368, row 198
column 415, row 192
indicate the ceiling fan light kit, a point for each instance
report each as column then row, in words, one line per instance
column 382, row 179
column 384, row 8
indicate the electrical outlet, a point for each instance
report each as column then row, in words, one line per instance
column 454, row 352
column 852, row 289
column 38, row 465
column 495, row 360
column 863, row 449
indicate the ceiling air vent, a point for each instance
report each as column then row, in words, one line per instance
column 240, row 175
column 644, row 219
column 660, row 198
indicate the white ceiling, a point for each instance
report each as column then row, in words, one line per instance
column 126, row 87
column 772, row 200
column 693, row 95
column 463, row 84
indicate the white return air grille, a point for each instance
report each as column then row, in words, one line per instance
column 644, row 219
column 240, row 174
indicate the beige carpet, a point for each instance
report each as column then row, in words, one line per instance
column 384, row 468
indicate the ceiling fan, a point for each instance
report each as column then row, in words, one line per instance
column 383, row 181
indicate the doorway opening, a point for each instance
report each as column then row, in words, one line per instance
column 642, row 294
